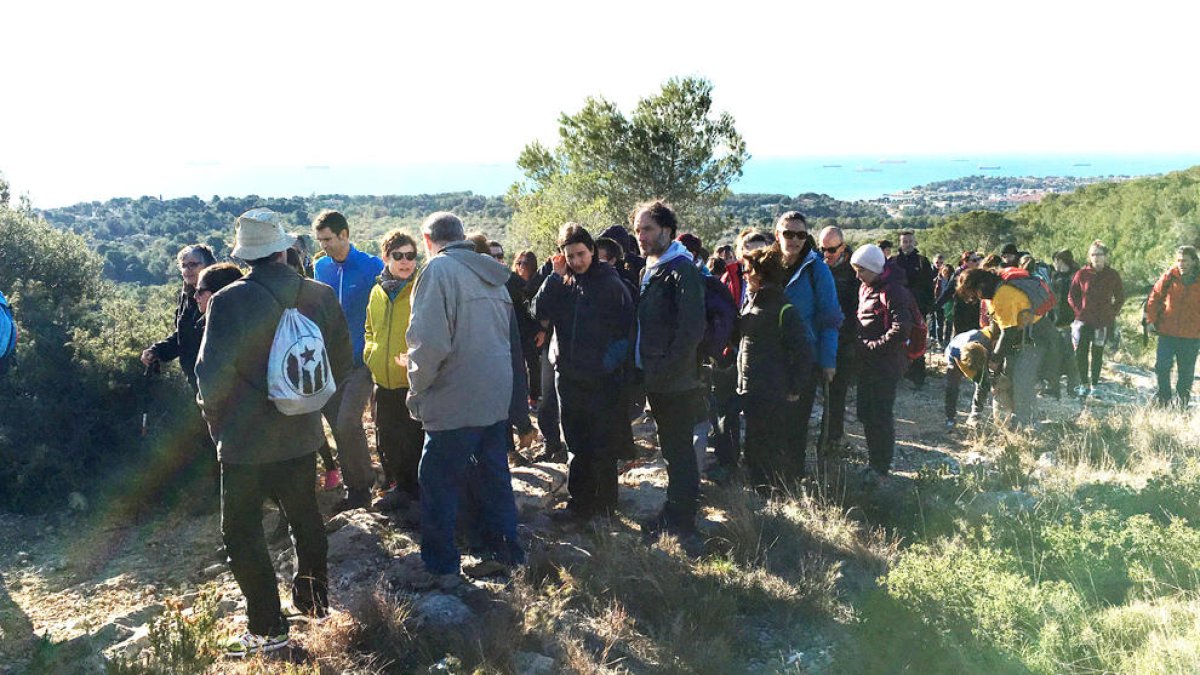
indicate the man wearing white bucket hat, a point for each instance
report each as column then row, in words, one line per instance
column 263, row 451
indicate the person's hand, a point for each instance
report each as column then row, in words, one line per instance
column 525, row 440
column 149, row 357
column 402, row 360
column 559, row 264
column 540, row 339
column 829, row 373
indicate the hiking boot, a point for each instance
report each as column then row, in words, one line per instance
column 249, row 644
column 551, row 455
column 424, row 580
column 571, row 514
column 355, row 499
column 332, row 480
column 392, row 500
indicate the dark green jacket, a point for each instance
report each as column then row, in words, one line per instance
column 232, row 367
column 670, row 326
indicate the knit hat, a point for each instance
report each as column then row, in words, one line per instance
column 260, row 234
column 869, row 257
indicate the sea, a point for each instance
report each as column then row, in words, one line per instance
column 845, row 177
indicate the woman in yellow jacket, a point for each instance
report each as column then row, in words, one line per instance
column 397, row 435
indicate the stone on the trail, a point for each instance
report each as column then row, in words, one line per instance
column 141, row 616
column 439, row 610
column 77, row 502
column 643, row 502
column 213, row 571
column 111, row 633
column 357, row 557
column 535, row 487
column 133, row 645
column 1010, row 501
column 531, row 663
column 226, row 607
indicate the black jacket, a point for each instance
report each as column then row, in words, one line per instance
column 920, row 277
column 966, row 314
column 671, row 321
column 1060, row 284
column 774, row 356
column 846, row 283
column 184, row 343
column 592, row 316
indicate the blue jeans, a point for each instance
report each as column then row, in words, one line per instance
column 447, row 459
column 1172, row 351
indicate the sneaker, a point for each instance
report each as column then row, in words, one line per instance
column 249, row 644
column 355, row 499
column 333, row 480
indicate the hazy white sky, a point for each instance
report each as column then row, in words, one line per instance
column 101, row 98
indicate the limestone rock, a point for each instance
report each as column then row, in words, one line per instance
column 530, row 663
column 439, row 610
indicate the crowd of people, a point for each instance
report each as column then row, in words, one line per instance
column 452, row 351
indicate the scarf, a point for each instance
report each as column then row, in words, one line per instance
column 392, row 285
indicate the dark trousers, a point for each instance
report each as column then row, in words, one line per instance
column 1175, row 351
column 797, row 415
column 876, row 399
column 589, row 413
column 622, row 429
column 916, row 372
column 398, row 437
column 450, row 459
column 1089, row 373
column 675, row 415
column 936, row 324
column 533, row 366
column 766, row 450
column 835, row 407
column 243, row 489
column 727, row 408
column 547, row 409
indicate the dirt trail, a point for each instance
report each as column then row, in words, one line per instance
column 64, row 578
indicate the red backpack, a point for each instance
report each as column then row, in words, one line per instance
column 1041, row 298
column 917, row 341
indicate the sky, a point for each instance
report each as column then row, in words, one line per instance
column 130, row 98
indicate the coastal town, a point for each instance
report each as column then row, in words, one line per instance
column 992, row 193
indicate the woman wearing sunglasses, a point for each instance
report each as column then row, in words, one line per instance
column 398, row 436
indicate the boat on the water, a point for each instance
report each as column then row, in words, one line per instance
column 988, row 167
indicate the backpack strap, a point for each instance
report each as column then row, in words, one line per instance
column 781, row 311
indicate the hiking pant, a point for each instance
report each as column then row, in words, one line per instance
column 243, row 489
column 766, row 433
column 954, row 380
column 797, row 415
column 876, row 400
column 588, row 416
column 835, row 407
column 1171, row 351
column 727, row 409
column 1021, row 370
column 916, row 372
column 533, row 366
column 547, row 409
column 1089, row 374
column 398, row 437
column 675, row 414
column 344, row 412
column 449, row 460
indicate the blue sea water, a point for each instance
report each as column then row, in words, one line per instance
column 842, row 177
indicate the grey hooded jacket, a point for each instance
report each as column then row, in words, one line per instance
column 459, row 354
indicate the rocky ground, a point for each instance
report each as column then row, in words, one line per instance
column 88, row 592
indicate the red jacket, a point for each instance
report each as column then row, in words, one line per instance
column 1096, row 297
column 1174, row 307
column 732, row 278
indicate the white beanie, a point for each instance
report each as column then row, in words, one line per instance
column 869, row 257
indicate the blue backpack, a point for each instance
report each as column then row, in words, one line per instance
column 8, row 335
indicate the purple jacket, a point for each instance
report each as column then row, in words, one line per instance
column 884, row 322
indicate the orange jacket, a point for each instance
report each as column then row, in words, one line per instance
column 1174, row 307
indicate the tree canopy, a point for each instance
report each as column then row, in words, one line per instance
column 673, row 146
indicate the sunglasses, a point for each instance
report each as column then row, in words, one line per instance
column 190, row 265
column 832, row 249
column 403, row 255
column 793, row 234
column 202, row 290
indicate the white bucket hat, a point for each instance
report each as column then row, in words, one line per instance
column 260, row 234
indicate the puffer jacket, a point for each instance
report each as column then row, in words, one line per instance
column 774, row 356
column 184, row 343
column 1060, row 284
column 1174, row 306
column 811, row 290
column 592, row 318
column 1096, row 296
column 884, row 323
column 384, row 334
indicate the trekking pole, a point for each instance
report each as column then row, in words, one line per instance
column 824, row 445
column 147, row 375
